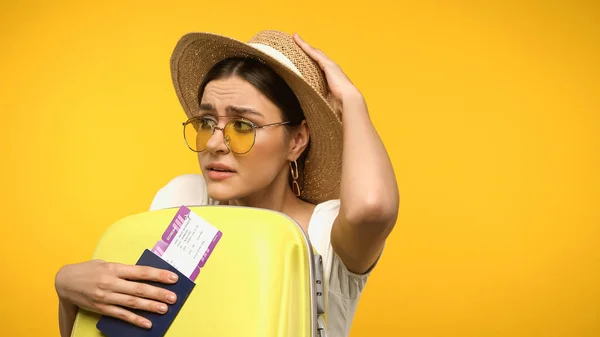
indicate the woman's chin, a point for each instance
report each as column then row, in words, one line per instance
column 221, row 192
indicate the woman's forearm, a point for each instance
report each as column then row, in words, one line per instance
column 369, row 191
column 66, row 317
column 369, row 197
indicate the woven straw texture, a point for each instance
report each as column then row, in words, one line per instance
column 196, row 53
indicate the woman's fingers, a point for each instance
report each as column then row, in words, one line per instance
column 134, row 302
column 337, row 80
column 124, row 315
column 312, row 52
column 143, row 291
column 322, row 60
column 124, row 295
column 135, row 272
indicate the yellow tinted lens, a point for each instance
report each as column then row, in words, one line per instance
column 239, row 136
column 197, row 134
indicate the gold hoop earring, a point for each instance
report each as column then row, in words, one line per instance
column 294, row 171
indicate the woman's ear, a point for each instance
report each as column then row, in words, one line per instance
column 298, row 141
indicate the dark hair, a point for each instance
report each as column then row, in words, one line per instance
column 265, row 79
column 268, row 82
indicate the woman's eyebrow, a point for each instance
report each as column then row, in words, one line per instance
column 242, row 110
column 207, row 107
column 231, row 110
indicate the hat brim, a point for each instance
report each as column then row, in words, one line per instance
column 196, row 53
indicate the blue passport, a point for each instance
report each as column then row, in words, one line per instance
column 113, row 327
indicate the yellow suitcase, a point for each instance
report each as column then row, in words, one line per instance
column 264, row 279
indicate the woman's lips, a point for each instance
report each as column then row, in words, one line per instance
column 219, row 175
column 218, row 171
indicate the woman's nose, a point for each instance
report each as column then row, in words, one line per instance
column 216, row 142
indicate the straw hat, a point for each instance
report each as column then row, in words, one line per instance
column 196, row 53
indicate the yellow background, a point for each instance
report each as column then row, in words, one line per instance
column 489, row 112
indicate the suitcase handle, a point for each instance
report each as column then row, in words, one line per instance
column 321, row 331
column 320, row 290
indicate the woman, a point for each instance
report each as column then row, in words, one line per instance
column 268, row 120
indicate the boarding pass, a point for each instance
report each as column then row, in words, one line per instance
column 188, row 242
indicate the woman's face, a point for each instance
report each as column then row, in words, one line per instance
column 230, row 176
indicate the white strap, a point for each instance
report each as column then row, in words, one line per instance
column 276, row 54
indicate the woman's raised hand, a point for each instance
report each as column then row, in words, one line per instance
column 340, row 86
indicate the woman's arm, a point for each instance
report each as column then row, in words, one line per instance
column 66, row 317
column 369, row 197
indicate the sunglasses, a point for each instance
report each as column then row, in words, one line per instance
column 239, row 133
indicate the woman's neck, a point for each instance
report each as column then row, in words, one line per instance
column 276, row 199
column 281, row 199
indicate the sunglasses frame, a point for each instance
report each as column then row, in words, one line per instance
column 216, row 127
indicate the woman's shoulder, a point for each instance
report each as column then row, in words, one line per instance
column 186, row 189
column 321, row 222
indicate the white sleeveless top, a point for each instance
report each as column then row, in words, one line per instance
column 343, row 287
